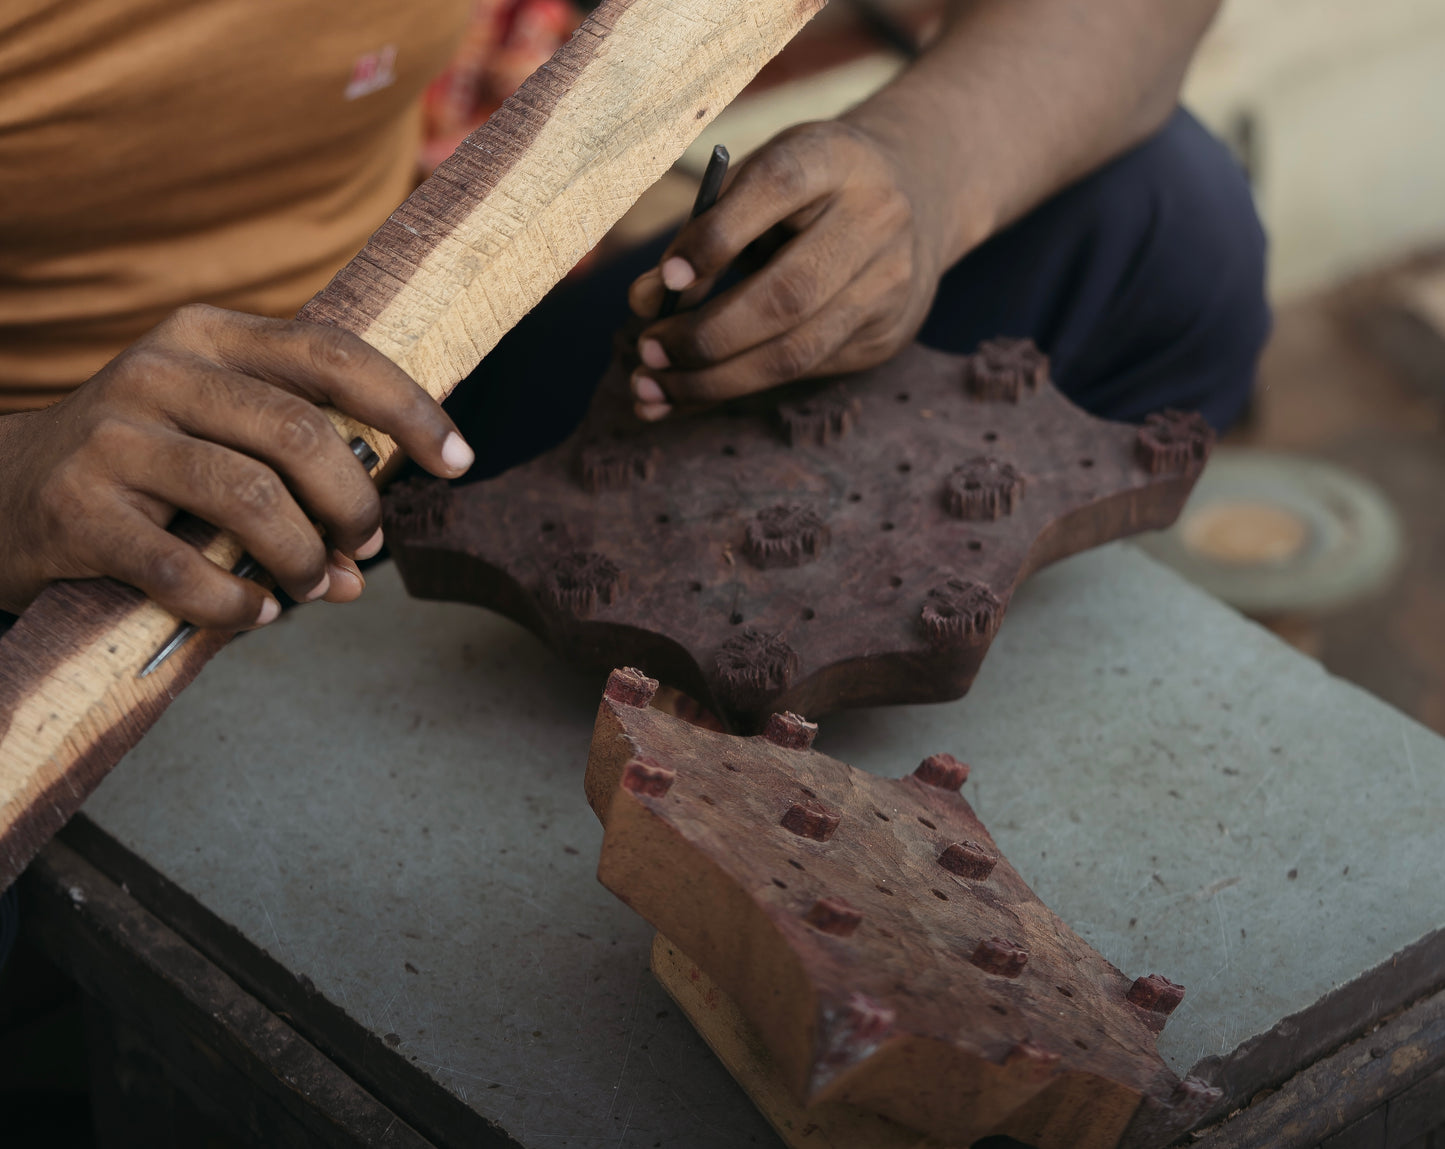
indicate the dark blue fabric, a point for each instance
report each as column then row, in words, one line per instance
column 9, row 922
column 1144, row 282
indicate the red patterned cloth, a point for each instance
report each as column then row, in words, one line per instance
column 505, row 41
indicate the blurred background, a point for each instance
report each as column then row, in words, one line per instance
column 1320, row 516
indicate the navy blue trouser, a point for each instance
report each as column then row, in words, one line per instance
column 1143, row 281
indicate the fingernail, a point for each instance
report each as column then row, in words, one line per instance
column 647, row 390
column 652, row 412
column 367, row 549
column 653, row 354
column 319, row 589
column 269, row 610
column 677, row 274
column 344, row 574
column 456, row 454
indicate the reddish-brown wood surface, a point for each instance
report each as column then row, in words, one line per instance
column 837, row 544
column 874, row 935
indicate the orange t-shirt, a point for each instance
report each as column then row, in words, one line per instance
column 159, row 152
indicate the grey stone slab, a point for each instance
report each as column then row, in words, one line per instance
column 358, row 790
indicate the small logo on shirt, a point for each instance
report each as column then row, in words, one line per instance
column 372, row 72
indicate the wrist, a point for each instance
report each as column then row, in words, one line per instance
column 951, row 196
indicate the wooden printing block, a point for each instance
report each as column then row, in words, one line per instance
column 847, row 543
column 876, row 940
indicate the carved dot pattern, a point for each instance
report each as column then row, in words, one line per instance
column 1174, row 442
column 1000, row 957
column 834, row 916
column 579, row 581
column 614, row 466
column 752, row 665
column 1003, row 369
column 960, row 610
column 417, row 507
column 983, row 489
column 819, row 419
column 785, row 535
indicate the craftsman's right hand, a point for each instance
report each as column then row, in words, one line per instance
column 215, row 413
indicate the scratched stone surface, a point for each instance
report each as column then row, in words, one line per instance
column 399, row 782
column 850, row 542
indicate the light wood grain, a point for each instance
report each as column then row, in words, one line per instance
column 468, row 254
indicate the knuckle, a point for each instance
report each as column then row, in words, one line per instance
column 790, row 294
column 299, row 427
column 782, row 167
column 332, row 350
column 695, row 342
column 710, row 246
column 257, row 490
column 794, row 356
column 166, row 571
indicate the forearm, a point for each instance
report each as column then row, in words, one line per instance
column 1016, row 99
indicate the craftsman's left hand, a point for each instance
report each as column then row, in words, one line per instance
column 851, row 283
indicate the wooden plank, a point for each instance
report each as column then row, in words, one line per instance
column 472, row 250
column 221, row 1042
column 1332, row 1094
column 1417, row 1112
column 871, row 932
column 854, row 542
column 1366, row 1133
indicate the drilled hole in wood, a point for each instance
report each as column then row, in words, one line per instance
column 663, row 519
column 998, row 1009
column 927, row 823
column 735, row 618
column 795, row 865
column 895, row 581
column 884, row 890
column 729, row 449
column 887, row 527
column 1080, row 1044
column 809, row 614
column 940, row 895
column 1063, row 989
column 975, row 545
column 855, row 497
column 990, row 436
column 881, row 814
column 1086, row 462
column 782, row 885
column 904, row 468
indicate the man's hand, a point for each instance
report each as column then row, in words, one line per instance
column 214, row 413
column 851, row 283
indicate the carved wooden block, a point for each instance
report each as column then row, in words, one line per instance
column 837, row 544
column 871, row 932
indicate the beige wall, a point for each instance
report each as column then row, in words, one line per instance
column 1347, row 99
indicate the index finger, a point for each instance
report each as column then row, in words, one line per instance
column 792, row 172
column 329, row 365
